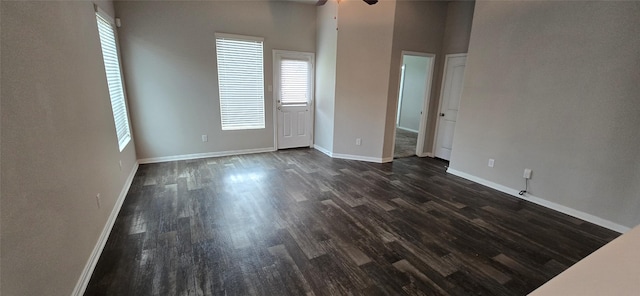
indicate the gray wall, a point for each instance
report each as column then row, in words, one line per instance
column 365, row 34
column 326, row 50
column 413, row 91
column 59, row 145
column 553, row 86
column 170, row 68
column 458, row 27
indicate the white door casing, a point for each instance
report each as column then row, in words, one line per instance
column 425, row 105
column 293, row 77
column 399, row 113
column 450, row 94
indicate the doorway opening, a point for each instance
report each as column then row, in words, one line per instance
column 416, row 73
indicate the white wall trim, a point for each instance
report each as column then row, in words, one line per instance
column 427, row 154
column 543, row 202
column 323, row 150
column 81, row 286
column 362, row 158
column 204, row 155
column 352, row 157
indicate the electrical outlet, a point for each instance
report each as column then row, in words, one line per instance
column 527, row 174
column 358, row 141
column 491, row 162
column 98, row 200
column 205, row 138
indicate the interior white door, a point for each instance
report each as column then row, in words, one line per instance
column 449, row 104
column 293, row 92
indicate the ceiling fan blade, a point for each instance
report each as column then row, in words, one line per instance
column 323, row 2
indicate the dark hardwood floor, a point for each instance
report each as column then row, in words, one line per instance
column 297, row 222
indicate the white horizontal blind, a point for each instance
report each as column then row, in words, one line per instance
column 114, row 80
column 294, row 79
column 241, row 82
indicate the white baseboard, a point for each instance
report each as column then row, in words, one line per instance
column 204, row 155
column 427, row 154
column 543, row 202
column 387, row 159
column 361, row 158
column 81, row 286
column 352, row 157
column 323, row 150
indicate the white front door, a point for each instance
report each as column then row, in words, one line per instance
column 449, row 104
column 293, row 93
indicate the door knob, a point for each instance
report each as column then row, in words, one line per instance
column 441, row 114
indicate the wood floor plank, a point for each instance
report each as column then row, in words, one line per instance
column 428, row 287
column 296, row 222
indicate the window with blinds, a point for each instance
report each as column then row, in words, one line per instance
column 114, row 79
column 294, row 79
column 241, row 81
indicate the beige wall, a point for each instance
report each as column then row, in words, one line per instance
column 457, row 33
column 436, row 27
column 59, row 146
column 170, row 68
column 365, row 35
column 371, row 39
column 458, row 27
column 326, row 50
column 553, row 86
column 419, row 26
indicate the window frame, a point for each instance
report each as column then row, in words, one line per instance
column 221, row 98
column 123, row 141
column 309, row 58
